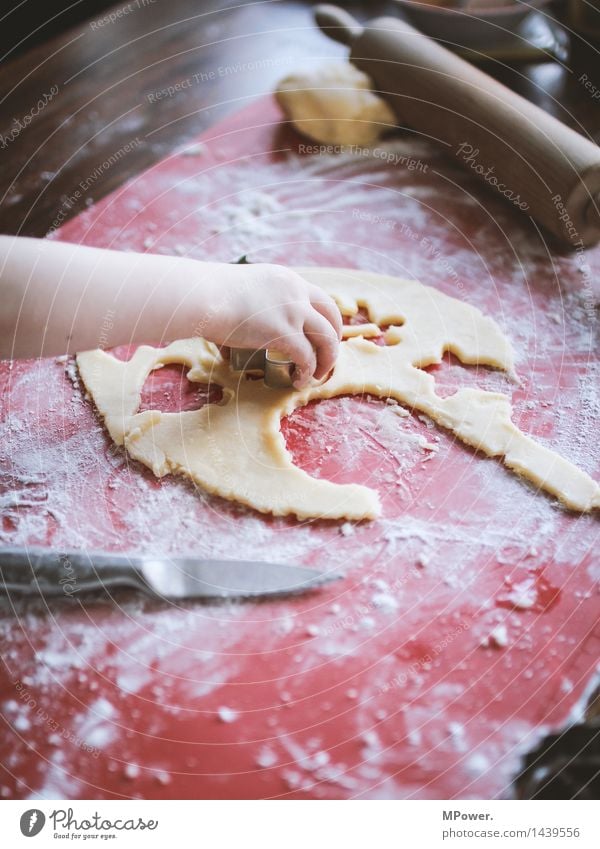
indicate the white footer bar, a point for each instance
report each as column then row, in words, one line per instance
column 302, row 824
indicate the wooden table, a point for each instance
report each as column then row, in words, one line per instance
column 118, row 93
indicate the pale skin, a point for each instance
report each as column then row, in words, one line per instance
column 57, row 298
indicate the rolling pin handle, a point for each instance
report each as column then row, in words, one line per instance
column 337, row 23
column 592, row 209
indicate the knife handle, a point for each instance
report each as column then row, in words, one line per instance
column 34, row 571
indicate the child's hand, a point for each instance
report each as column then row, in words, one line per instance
column 259, row 306
column 82, row 297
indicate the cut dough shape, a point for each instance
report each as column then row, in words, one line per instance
column 235, row 449
column 367, row 331
column 334, row 103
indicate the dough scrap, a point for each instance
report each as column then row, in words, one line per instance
column 235, row 449
column 334, row 103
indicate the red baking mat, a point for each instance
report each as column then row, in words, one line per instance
column 466, row 624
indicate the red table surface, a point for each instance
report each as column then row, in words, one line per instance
column 386, row 684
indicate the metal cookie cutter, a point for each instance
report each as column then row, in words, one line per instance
column 277, row 368
column 246, row 359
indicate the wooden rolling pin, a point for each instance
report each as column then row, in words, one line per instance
column 538, row 164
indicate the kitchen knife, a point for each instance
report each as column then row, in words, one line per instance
column 35, row 571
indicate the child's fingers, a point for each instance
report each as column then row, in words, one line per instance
column 298, row 348
column 328, row 308
column 321, row 336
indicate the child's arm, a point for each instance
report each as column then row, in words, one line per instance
column 57, row 298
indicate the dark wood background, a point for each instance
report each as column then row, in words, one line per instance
column 25, row 23
column 106, row 75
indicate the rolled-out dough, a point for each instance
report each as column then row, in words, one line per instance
column 333, row 103
column 235, row 449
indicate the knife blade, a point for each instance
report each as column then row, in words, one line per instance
column 47, row 572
